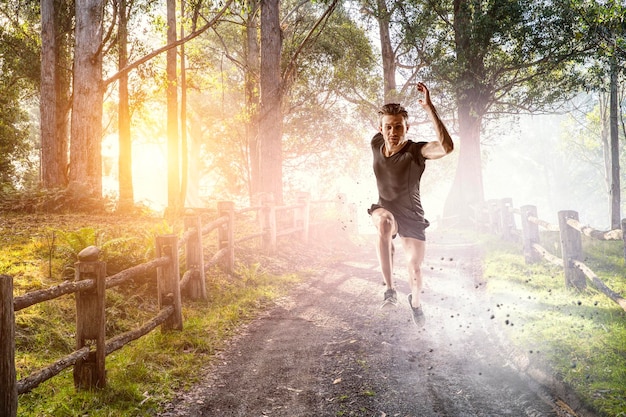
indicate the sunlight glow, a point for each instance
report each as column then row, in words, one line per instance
column 149, row 171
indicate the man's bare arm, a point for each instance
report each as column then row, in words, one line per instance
column 443, row 145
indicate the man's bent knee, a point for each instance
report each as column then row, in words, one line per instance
column 384, row 222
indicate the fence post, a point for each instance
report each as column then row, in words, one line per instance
column 530, row 234
column 268, row 222
column 168, row 281
column 482, row 216
column 302, row 215
column 493, row 215
column 194, row 259
column 8, row 379
column 571, row 248
column 624, row 236
column 507, row 218
column 226, row 233
column 90, row 372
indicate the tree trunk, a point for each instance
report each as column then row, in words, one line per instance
column 194, row 165
column 53, row 116
column 614, row 133
column 252, row 96
column 86, row 131
column 125, row 162
column 63, row 89
column 467, row 188
column 183, row 116
column 387, row 52
column 270, row 123
column 604, row 105
column 173, row 169
column 471, row 96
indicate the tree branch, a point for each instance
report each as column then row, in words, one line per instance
column 292, row 63
column 159, row 51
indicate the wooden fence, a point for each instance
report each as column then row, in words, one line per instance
column 91, row 283
column 498, row 216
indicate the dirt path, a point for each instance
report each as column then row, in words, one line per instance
column 329, row 350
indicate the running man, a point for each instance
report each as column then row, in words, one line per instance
column 398, row 167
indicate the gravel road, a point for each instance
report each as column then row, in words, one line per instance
column 328, row 349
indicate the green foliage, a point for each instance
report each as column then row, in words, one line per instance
column 579, row 336
column 499, row 56
column 62, row 247
column 19, row 80
column 34, row 200
column 14, row 131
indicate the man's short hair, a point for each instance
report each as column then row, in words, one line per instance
column 392, row 109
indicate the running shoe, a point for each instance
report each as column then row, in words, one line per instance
column 391, row 297
column 417, row 313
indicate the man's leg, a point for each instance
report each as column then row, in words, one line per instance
column 415, row 250
column 386, row 227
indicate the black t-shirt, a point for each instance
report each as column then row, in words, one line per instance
column 398, row 178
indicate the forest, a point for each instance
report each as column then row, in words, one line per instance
column 157, row 106
column 173, row 104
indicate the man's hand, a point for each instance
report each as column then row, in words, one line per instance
column 425, row 102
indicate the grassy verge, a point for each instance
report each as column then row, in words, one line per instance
column 141, row 376
column 581, row 335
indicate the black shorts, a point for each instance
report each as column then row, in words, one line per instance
column 407, row 226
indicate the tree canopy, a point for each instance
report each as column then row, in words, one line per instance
column 481, row 59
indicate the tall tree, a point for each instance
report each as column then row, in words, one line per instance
column 507, row 56
column 86, row 129
column 271, row 86
column 252, row 56
column 52, row 117
column 183, row 114
column 605, row 26
column 388, row 53
column 173, row 164
column 125, row 161
column 616, row 191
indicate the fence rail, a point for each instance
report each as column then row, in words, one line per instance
column 498, row 216
column 91, row 283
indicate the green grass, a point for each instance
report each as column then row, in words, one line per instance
column 581, row 335
column 144, row 374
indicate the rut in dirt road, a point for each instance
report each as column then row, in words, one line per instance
column 329, row 350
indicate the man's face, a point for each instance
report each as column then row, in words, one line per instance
column 393, row 128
